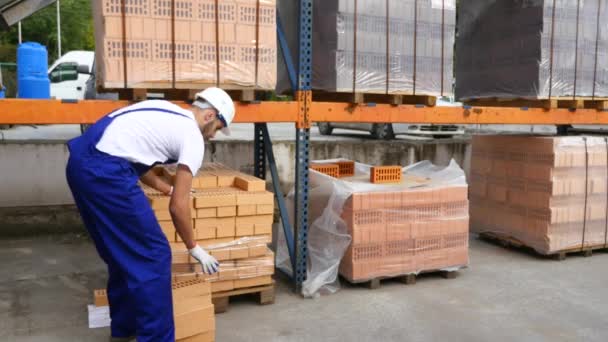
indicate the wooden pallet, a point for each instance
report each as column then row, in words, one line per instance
column 360, row 98
column 568, row 103
column 264, row 295
column 509, row 242
column 139, row 94
column 408, row 279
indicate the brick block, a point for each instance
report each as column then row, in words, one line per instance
column 253, row 220
column 249, row 183
column 100, row 297
column 226, row 227
column 225, row 179
column 208, row 336
column 195, row 322
column 220, row 254
column 332, row 170
column 159, row 202
column 346, row 168
column 168, row 229
column 214, row 199
column 246, row 210
column 239, row 252
column 255, row 251
column 205, row 180
column 385, row 174
column 206, row 213
column 263, row 229
column 222, row 286
column 189, row 289
column 162, row 215
column 251, row 282
column 226, row 211
column 245, row 230
column 265, row 209
column 255, row 198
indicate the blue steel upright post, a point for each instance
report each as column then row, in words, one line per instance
column 304, row 98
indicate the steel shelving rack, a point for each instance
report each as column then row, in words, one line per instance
column 302, row 111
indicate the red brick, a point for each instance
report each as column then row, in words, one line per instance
column 332, row 170
column 226, row 211
column 346, row 168
column 265, row 209
column 249, row 183
column 100, row 297
column 385, row 174
column 246, row 210
column 255, row 198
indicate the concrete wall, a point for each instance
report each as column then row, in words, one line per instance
column 34, row 196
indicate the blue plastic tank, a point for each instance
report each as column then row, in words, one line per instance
column 32, row 79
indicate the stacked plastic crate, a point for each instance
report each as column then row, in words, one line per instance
column 232, row 216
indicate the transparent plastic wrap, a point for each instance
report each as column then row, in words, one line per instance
column 399, row 50
column 535, row 49
column 246, row 44
column 364, row 231
column 548, row 193
column 256, row 267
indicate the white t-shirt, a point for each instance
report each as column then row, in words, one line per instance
column 154, row 135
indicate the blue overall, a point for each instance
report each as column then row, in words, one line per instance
column 126, row 233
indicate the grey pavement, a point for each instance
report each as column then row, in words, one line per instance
column 505, row 295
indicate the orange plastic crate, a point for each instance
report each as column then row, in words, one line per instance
column 346, row 168
column 332, row 170
column 385, row 174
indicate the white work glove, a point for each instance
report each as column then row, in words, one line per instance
column 208, row 262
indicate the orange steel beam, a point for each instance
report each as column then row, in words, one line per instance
column 344, row 112
column 27, row 111
column 24, row 111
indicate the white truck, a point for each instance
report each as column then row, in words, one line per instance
column 70, row 73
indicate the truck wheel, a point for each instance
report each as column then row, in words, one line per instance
column 325, row 128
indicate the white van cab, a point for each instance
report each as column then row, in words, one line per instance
column 70, row 73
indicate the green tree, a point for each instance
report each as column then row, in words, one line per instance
column 41, row 27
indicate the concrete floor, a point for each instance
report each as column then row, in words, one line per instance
column 506, row 295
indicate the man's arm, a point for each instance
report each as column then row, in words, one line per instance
column 179, row 206
column 152, row 180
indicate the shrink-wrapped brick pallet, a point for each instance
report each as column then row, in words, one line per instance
column 191, row 47
column 366, row 231
column 547, row 193
column 403, row 49
column 538, row 49
column 232, row 215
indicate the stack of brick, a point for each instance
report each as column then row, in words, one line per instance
column 405, row 231
column 232, row 216
column 186, row 44
column 549, row 193
column 193, row 311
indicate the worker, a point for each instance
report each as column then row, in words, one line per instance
column 103, row 171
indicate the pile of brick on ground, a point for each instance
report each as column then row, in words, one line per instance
column 398, row 229
column 232, row 215
column 192, row 310
column 547, row 193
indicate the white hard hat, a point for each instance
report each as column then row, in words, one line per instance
column 221, row 101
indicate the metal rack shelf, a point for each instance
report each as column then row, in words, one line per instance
column 303, row 112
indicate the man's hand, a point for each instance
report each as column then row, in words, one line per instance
column 208, row 262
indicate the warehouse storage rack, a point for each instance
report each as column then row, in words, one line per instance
column 302, row 111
